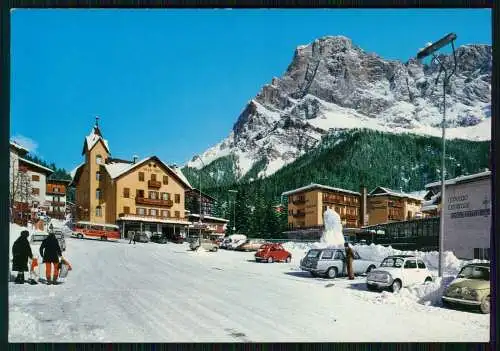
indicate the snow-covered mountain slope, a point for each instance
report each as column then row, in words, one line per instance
column 333, row 84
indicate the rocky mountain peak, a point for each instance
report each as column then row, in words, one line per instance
column 331, row 83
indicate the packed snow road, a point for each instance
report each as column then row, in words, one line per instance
column 166, row 293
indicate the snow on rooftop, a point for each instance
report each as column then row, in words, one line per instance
column 73, row 172
column 115, row 169
column 181, row 175
column 210, row 217
column 36, row 165
column 18, row 146
column 460, row 179
column 153, row 220
column 397, row 194
column 93, row 138
column 314, row 186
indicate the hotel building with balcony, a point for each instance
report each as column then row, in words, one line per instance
column 138, row 195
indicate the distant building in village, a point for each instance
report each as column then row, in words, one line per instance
column 467, row 214
column 138, row 195
column 27, row 184
column 55, row 199
column 307, row 204
column 386, row 205
column 208, row 224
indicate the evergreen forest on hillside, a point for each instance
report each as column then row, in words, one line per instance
column 345, row 159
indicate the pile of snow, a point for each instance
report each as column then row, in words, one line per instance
column 377, row 253
column 428, row 294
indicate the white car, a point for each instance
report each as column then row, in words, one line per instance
column 398, row 271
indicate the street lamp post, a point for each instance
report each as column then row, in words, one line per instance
column 430, row 50
column 199, row 218
column 234, row 209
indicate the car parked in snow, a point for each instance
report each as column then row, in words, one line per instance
column 251, row 245
column 331, row 263
column 471, row 288
column 272, row 253
column 159, row 238
column 206, row 244
column 396, row 272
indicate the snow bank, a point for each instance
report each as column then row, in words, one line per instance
column 377, row 253
column 428, row 294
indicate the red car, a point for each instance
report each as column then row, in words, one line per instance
column 271, row 253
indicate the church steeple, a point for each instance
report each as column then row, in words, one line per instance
column 97, row 131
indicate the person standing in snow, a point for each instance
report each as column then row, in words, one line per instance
column 132, row 238
column 50, row 252
column 21, row 251
column 349, row 257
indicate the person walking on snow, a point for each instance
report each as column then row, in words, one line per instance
column 349, row 257
column 132, row 238
column 50, row 252
column 21, row 251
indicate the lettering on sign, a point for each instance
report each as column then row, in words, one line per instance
column 462, row 208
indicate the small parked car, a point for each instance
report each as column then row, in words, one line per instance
column 159, row 238
column 206, row 244
column 175, row 238
column 470, row 288
column 330, row 263
column 271, row 253
column 396, row 272
column 141, row 237
column 251, row 245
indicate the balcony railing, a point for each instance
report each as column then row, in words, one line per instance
column 299, row 201
column 52, row 192
column 154, row 202
column 299, row 214
column 154, row 184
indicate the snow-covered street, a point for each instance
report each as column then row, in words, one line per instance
column 166, row 293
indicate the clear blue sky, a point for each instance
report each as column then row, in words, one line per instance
column 172, row 83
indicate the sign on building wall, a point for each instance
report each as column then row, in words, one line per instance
column 467, row 214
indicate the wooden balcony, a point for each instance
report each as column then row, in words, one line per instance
column 299, row 214
column 58, row 193
column 299, row 201
column 154, row 184
column 153, row 202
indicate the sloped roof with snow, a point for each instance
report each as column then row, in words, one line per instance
column 36, row 165
column 461, row 179
column 318, row 186
column 181, row 175
column 118, row 169
column 18, row 147
column 93, row 138
column 73, row 172
column 387, row 191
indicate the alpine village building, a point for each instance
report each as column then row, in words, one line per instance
column 208, row 223
column 27, row 185
column 357, row 210
column 307, row 204
column 56, row 198
column 138, row 195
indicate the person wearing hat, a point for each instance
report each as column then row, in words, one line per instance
column 50, row 252
column 21, row 251
column 349, row 257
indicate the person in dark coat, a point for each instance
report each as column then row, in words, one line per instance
column 349, row 257
column 21, row 251
column 50, row 252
